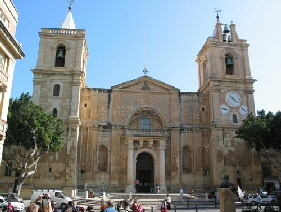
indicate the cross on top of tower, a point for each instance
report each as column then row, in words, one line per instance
column 145, row 71
column 70, row 2
column 217, row 11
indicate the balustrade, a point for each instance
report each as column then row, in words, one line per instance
column 59, row 31
column 3, row 80
column 2, row 127
column 146, row 132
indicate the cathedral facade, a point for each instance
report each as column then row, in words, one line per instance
column 145, row 129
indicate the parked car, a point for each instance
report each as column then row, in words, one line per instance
column 276, row 193
column 2, row 202
column 17, row 205
column 11, row 196
column 251, row 199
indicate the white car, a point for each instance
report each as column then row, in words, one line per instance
column 251, row 199
column 2, row 202
column 18, row 206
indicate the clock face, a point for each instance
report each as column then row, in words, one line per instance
column 233, row 99
column 224, row 109
column 243, row 110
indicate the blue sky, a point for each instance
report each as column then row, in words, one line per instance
column 175, row 31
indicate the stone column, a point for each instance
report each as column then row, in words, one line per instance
column 162, row 165
column 130, row 168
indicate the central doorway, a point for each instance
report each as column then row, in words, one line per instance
column 145, row 173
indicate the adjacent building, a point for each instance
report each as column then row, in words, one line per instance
column 10, row 50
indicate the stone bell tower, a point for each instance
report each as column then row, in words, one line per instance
column 59, row 76
column 225, row 76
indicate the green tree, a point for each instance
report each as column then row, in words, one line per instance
column 263, row 133
column 31, row 134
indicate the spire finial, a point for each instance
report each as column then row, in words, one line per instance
column 145, row 71
column 217, row 11
column 70, row 2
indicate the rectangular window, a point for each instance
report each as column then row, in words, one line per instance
column 145, row 123
column 8, row 172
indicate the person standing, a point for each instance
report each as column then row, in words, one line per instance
column 137, row 207
column 109, row 207
column 158, row 188
column 125, row 206
column 181, row 194
column 168, row 202
column 258, row 200
column 164, row 206
column 151, row 187
column 137, row 184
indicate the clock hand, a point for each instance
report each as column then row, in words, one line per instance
column 224, row 108
column 233, row 98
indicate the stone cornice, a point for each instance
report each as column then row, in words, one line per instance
column 145, row 78
column 19, row 54
column 212, row 42
column 222, row 79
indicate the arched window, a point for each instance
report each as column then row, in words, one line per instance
column 56, row 90
column 234, row 119
column 186, row 160
column 229, row 64
column 103, row 159
column 55, row 112
column 60, row 56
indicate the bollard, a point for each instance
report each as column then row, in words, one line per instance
column 196, row 209
column 187, row 202
column 175, row 208
column 151, row 209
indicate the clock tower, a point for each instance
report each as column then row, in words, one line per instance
column 225, row 77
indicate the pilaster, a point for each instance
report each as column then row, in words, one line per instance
column 130, row 168
column 162, row 166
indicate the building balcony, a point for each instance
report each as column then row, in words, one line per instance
column 146, row 133
column 3, row 80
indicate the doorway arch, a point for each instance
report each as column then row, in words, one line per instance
column 145, row 172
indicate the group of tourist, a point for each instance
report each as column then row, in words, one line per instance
column 131, row 205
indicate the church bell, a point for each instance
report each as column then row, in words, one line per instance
column 224, row 37
column 229, row 62
column 60, row 54
column 226, row 29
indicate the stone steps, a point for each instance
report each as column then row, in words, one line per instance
column 152, row 200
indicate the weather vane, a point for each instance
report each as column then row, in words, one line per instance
column 70, row 2
column 145, row 71
column 217, row 11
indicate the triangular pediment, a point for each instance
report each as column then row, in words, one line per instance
column 145, row 83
